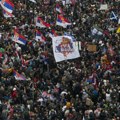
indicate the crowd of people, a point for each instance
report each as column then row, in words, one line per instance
column 85, row 88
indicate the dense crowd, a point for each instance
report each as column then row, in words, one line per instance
column 86, row 88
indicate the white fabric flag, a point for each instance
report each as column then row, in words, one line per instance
column 103, row 7
column 64, row 25
column 64, row 48
column 33, row 1
column 95, row 31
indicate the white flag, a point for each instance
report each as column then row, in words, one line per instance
column 33, row 1
column 103, row 7
column 64, row 48
column 96, row 32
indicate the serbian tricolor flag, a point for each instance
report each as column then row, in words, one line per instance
column 18, row 76
column 19, row 38
column 61, row 21
column 53, row 33
column 58, row 8
column 7, row 5
column 39, row 36
column 41, row 23
column 7, row 14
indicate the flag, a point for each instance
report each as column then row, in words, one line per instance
column 33, row 1
column 39, row 36
column 7, row 14
column 19, row 38
column 18, row 76
column 53, row 33
column 118, row 30
column 113, row 16
column 41, row 23
column 95, row 31
column 59, row 9
column 103, row 7
column 64, row 49
column 61, row 21
column 7, row 5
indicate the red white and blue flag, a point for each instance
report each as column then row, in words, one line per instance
column 19, row 38
column 61, row 21
column 53, row 33
column 39, row 36
column 7, row 14
column 18, row 76
column 59, row 9
column 41, row 23
column 7, row 5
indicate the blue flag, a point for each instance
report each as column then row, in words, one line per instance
column 113, row 16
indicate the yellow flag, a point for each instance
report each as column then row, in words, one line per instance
column 118, row 30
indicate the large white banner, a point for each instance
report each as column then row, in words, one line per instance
column 64, row 49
